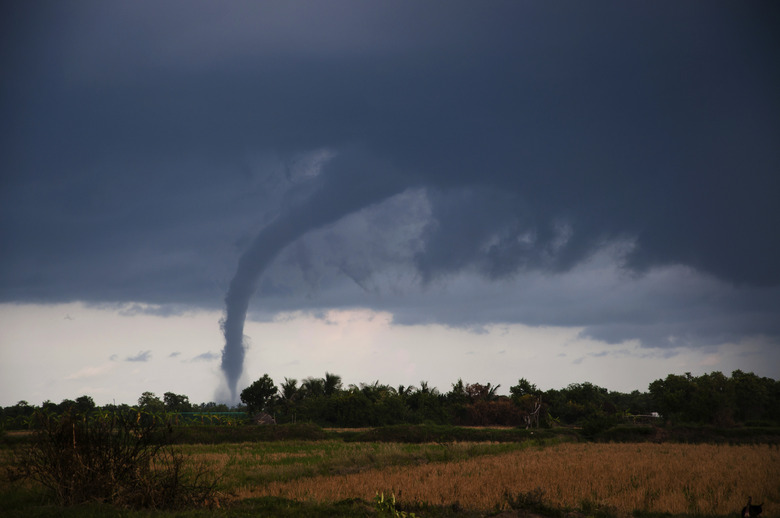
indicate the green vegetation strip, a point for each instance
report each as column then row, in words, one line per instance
column 441, row 434
column 397, row 433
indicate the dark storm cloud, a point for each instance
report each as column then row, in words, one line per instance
column 666, row 307
column 490, row 146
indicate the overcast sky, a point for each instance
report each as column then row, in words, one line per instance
column 399, row 191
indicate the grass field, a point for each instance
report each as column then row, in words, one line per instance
column 664, row 478
column 471, row 478
column 245, row 467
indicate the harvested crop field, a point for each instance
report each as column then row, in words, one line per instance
column 673, row 478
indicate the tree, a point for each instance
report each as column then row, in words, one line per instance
column 258, row 396
column 713, row 400
column 479, row 392
column 405, row 391
column 176, row 402
column 458, row 394
column 17, row 416
column 523, row 387
column 426, row 405
column 288, row 400
column 149, row 402
column 66, row 405
column 716, row 399
column 289, row 389
column 85, row 404
column 673, row 395
column 426, row 389
column 376, row 391
column 752, row 396
column 312, row 387
column 331, row 384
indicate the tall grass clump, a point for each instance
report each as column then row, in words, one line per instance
column 124, row 459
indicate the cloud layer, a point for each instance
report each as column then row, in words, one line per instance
column 611, row 167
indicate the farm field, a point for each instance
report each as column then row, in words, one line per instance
column 483, row 479
column 663, row 478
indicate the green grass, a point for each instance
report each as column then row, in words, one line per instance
column 248, row 464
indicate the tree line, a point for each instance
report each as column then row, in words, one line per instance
column 716, row 399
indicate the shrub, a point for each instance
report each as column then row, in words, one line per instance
column 597, row 424
column 626, row 433
column 123, row 459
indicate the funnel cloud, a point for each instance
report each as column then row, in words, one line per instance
column 344, row 184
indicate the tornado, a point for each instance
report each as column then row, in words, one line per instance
column 349, row 183
column 264, row 248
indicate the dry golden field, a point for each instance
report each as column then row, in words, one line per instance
column 673, row 478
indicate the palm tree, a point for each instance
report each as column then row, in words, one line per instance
column 313, row 387
column 425, row 389
column 405, row 392
column 375, row 390
column 289, row 389
column 491, row 392
column 331, row 384
column 479, row 392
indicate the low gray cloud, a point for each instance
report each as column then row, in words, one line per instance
column 142, row 356
column 207, row 357
column 674, row 306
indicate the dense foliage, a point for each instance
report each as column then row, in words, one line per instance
column 122, row 458
column 715, row 399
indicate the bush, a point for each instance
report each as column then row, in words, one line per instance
column 123, row 459
column 596, row 424
column 626, row 433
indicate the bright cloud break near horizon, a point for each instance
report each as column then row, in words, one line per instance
column 194, row 194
